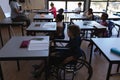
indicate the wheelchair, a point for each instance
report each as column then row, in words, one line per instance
column 72, row 69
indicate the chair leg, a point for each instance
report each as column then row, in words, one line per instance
column 73, row 75
column 64, row 74
column 118, row 67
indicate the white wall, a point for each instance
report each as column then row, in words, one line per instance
column 5, row 7
column 34, row 4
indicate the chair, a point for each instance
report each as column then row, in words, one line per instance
column 111, row 28
column 61, row 71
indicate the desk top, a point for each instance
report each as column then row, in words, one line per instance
column 113, row 17
column 89, row 25
column 41, row 11
column 74, row 15
column 42, row 26
column 43, row 16
column 8, row 21
column 116, row 22
column 105, row 44
column 12, row 50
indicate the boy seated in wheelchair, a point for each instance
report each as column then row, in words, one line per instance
column 73, row 51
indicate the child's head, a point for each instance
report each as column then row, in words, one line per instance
column 90, row 11
column 52, row 4
column 79, row 4
column 104, row 16
column 60, row 11
column 73, row 31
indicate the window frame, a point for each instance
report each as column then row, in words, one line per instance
column 107, row 1
column 66, row 3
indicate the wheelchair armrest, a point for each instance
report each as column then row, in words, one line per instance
column 61, row 40
column 61, row 48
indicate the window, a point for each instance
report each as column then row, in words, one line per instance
column 66, row 4
column 98, row 6
column 57, row 4
column 109, row 6
column 113, row 7
column 71, row 5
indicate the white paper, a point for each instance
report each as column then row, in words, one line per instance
column 38, row 45
column 48, row 25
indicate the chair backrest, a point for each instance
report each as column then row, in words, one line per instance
column 96, row 17
column 111, row 26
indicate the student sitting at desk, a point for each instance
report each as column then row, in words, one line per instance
column 60, row 25
column 78, row 9
column 16, row 14
column 89, row 14
column 103, row 22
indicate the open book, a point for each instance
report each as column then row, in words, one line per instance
column 38, row 44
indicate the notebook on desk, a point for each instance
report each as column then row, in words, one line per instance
column 38, row 44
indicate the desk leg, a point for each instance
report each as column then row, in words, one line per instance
column 9, row 32
column 18, row 65
column 118, row 32
column 1, row 73
column 22, row 30
column 1, row 37
column 91, row 51
column 118, row 67
column 109, row 71
column 46, row 69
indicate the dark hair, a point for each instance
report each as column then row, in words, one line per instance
column 79, row 3
column 90, row 10
column 61, row 10
column 52, row 4
column 104, row 16
column 59, row 16
column 74, row 29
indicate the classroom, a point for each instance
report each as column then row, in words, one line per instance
column 59, row 40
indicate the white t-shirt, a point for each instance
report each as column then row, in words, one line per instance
column 78, row 9
column 14, row 5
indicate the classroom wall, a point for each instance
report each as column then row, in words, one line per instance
column 5, row 7
column 34, row 4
